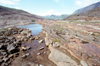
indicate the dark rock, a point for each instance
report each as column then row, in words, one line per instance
column 10, row 38
column 6, row 59
column 1, row 57
column 3, row 53
column 41, row 48
column 17, row 54
column 1, row 61
column 12, row 49
column 2, row 46
column 11, row 56
column 83, row 41
column 6, row 41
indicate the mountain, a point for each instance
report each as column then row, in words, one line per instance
column 89, row 15
column 11, row 16
column 88, row 8
column 56, row 16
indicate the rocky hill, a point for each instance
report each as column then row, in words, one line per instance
column 88, row 8
column 10, row 16
column 89, row 15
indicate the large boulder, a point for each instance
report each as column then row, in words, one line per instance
column 12, row 49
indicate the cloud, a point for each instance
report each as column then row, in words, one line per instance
column 50, row 12
column 83, row 3
column 78, row 2
column 9, row 2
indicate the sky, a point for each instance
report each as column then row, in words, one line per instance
column 47, row 7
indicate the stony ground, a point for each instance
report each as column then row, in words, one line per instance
column 80, row 39
column 19, row 48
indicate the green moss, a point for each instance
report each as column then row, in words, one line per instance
column 56, row 40
column 70, row 21
column 33, row 20
column 4, row 29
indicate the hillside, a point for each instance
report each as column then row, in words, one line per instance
column 89, row 15
column 10, row 16
column 88, row 8
column 55, row 16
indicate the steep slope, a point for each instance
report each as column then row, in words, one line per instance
column 10, row 16
column 88, row 8
column 56, row 16
column 89, row 15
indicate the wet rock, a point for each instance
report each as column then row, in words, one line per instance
column 41, row 41
column 41, row 48
column 24, row 48
column 24, row 56
column 28, row 48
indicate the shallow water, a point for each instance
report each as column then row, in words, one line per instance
column 35, row 47
column 35, row 28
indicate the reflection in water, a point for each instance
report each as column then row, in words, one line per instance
column 35, row 28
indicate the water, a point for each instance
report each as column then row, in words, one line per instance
column 35, row 28
column 35, row 46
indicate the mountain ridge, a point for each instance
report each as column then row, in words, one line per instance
column 87, row 8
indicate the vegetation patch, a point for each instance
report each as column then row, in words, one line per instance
column 56, row 40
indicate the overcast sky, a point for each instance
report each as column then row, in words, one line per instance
column 47, row 7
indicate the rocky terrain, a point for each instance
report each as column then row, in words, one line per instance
column 73, row 44
column 19, row 47
column 10, row 17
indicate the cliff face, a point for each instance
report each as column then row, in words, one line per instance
column 10, row 16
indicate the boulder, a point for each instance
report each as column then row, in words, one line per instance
column 12, row 49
